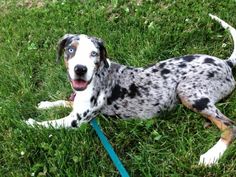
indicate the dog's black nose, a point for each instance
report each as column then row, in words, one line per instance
column 80, row 70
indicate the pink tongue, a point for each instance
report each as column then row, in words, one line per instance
column 79, row 84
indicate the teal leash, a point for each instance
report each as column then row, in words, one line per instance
column 109, row 149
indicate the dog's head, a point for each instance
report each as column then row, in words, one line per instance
column 83, row 56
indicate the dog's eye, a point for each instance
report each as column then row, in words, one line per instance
column 94, row 54
column 71, row 50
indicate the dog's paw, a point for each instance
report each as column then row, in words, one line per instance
column 45, row 105
column 31, row 122
column 209, row 159
column 49, row 104
column 212, row 156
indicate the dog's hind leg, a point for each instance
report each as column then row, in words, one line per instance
column 201, row 103
column 227, row 128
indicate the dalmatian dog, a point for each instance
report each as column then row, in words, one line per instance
column 101, row 86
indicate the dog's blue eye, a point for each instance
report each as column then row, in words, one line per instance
column 94, row 54
column 71, row 50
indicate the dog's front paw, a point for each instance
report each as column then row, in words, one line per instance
column 31, row 122
column 49, row 104
column 45, row 105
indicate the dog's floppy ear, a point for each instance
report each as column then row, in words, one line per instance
column 103, row 53
column 61, row 45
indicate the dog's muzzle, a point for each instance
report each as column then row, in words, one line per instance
column 80, row 70
column 80, row 83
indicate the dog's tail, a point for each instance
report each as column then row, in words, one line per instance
column 232, row 59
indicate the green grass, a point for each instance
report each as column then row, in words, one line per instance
column 136, row 33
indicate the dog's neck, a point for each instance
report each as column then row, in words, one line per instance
column 102, row 78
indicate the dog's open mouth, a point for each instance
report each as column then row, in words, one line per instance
column 79, row 84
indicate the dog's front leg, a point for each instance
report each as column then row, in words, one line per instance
column 85, row 108
column 83, row 111
column 66, row 122
column 52, row 104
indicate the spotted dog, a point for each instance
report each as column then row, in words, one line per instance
column 197, row 81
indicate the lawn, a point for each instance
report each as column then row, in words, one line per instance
column 136, row 33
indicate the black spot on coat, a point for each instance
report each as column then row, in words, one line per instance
column 201, row 104
column 93, row 100
column 133, row 91
column 209, row 61
column 165, row 71
column 230, row 64
column 85, row 113
column 117, row 92
column 154, row 70
column 189, row 58
column 182, row 65
column 78, row 117
column 162, row 65
column 156, row 104
column 210, row 74
column 116, row 107
column 228, row 79
column 74, row 123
